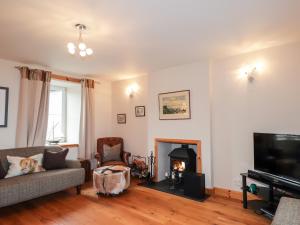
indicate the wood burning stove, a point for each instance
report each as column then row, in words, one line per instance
column 183, row 159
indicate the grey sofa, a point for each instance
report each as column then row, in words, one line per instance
column 288, row 212
column 22, row 188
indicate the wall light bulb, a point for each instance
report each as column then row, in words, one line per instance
column 132, row 89
column 71, row 51
column 71, row 45
column 89, row 51
column 82, row 53
column 82, row 46
column 259, row 65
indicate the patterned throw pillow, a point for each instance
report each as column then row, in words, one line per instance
column 20, row 165
column 111, row 153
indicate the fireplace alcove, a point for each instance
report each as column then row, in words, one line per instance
column 164, row 147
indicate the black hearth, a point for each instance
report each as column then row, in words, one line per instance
column 182, row 180
column 183, row 159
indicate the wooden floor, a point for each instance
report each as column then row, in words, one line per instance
column 138, row 205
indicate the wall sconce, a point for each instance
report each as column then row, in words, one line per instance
column 250, row 71
column 132, row 89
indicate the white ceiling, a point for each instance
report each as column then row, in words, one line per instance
column 134, row 37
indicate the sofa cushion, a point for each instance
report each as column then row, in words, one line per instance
column 23, row 152
column 17, row 189
column 111, row 153
column 21, row 165
column 2, row 171
column 55, row 160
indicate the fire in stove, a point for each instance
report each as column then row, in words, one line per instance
column 178, row 165
column 183, row 159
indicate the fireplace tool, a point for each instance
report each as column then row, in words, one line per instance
column 174, row 179
column 151, row 162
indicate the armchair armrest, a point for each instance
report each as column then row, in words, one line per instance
column 125, row 157
column 73, row 164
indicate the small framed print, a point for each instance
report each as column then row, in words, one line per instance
column 121, row 118
column 3, row 106
column 140, row 111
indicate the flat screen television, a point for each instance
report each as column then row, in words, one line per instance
column 278, row 154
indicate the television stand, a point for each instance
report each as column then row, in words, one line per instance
column 270, row 195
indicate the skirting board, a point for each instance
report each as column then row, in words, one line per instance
column 230, row 194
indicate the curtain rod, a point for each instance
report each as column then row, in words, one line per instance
column 65, row 78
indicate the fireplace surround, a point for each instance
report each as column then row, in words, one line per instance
column 178, row 168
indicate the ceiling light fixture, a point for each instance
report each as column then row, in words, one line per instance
column 83, row 50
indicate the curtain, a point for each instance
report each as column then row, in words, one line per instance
column 87, row 120
column 33, row 107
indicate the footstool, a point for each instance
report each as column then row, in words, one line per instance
column 111, row 179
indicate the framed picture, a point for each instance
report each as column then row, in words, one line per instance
column 140, row 111
column 121, row 118
column 174, row 105
column 3, row 106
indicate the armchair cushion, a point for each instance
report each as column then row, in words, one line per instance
column 111, row 153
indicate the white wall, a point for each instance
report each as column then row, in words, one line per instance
column 193, row 77
column 225, row 109
column 239, row 108
column 134, row 132
column 10, row 77
column 103, row 108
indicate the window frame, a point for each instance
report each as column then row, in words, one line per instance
column 54, row 87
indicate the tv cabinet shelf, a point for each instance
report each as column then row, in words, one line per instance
column 270, row 194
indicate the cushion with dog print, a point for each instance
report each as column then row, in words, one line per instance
column 20, row 165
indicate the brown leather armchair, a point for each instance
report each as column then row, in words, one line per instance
column 111, row 141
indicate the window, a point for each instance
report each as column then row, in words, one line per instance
column 64, row 113
column 57, row 115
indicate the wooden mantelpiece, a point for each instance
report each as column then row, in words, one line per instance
column 177, row 141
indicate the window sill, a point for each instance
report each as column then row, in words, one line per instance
column 68, row 145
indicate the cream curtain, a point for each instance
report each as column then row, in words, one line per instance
column 87, row 120
column 33, row 107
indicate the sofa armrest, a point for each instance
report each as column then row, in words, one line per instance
column 125, row 157
column 287, row 212
column 73, row 164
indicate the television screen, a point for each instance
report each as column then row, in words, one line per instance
column 277, row 154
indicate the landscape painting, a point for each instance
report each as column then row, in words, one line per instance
column 174, row 105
